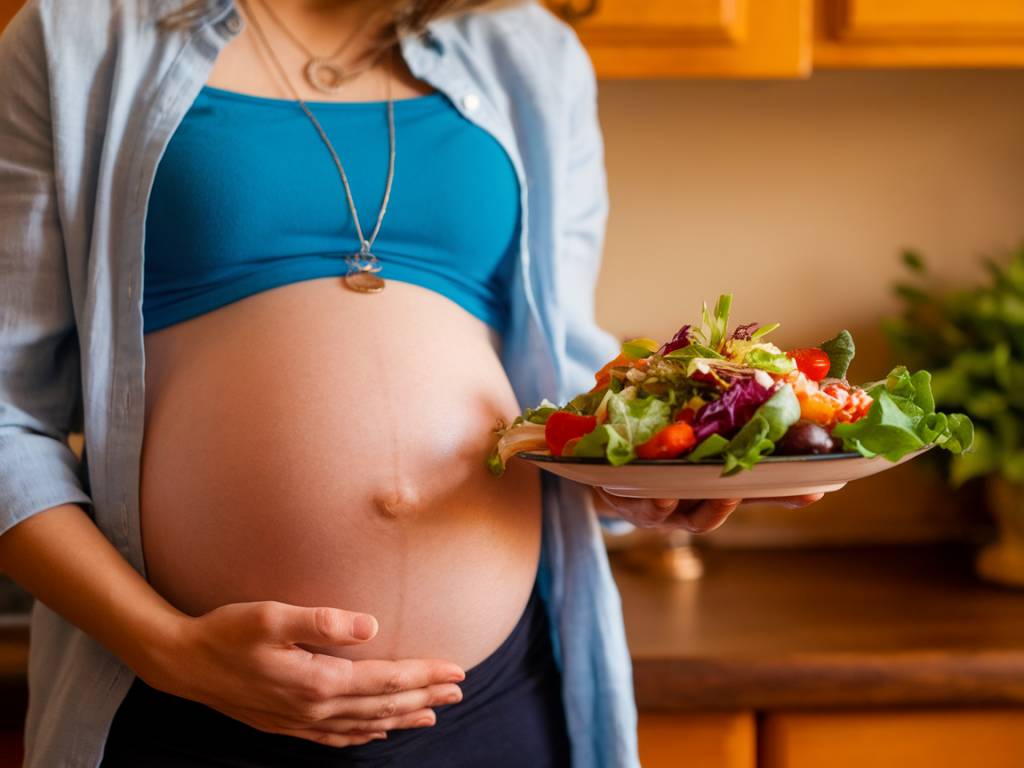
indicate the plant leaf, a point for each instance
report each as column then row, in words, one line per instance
column 841, row 351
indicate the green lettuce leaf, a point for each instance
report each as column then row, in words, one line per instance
column 887, row 430
column 902, row 419
column 539, row 415
column 984, row 459
column 767, row 361
column 694, row 350
column 639, row 418
column 631, row 421
column 711, row 446
column 606, row 442
column 639, row 348
column 840, row 351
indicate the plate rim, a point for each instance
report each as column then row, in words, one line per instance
column 598, row 461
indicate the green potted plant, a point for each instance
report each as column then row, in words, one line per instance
column 972, row 340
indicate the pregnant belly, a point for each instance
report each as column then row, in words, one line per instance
column 320, row 447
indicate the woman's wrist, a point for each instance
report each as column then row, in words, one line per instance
column 156, row 643
column 62, row 558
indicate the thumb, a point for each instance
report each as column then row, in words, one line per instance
column 322, row 625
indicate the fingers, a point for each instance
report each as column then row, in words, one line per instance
column 396, row 704
column 696, row 517
column 421, row 718
column 333, row 739
column 645, row 513
column 706, row 516
column 319, row 625
column 372, row 678
column 370, row 715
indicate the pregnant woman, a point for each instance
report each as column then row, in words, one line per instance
column 286, row 265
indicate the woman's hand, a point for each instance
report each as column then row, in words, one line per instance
column 696, row 516
column 245, row 660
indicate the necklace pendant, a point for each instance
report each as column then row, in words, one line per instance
column 362, row 273
column 364, row 282
column 324, row 76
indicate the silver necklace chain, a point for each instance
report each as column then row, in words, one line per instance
column 364, row 260
column 298, row 41
column 320, row 71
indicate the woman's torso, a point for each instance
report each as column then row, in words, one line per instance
column 321, row 447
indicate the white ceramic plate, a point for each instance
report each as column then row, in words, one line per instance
column 680, row 479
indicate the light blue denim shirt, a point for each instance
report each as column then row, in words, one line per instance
column 90, row 93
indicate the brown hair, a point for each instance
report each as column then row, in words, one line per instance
column 409, row 16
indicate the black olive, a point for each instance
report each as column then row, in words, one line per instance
column 803, row 438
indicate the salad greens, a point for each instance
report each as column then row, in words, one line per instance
column 734, row 398
column 840, row 351
column 631, row 421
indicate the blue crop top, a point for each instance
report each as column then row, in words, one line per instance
column 246, row 198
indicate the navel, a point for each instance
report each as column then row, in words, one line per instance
column 401, row 502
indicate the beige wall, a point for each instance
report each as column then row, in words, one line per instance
column 796, row 197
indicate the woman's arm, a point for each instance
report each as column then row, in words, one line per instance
column 243, row 659
column 60, row 556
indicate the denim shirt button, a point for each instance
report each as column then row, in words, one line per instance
column 233, row 23
column 470, row 102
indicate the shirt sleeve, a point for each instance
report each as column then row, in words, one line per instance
column 582, row 233
column 40, row 385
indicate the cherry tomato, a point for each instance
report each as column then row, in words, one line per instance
column 669, row 442
column 562, row 427
column 812, row 362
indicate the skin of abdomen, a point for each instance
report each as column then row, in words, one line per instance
column 316, row 446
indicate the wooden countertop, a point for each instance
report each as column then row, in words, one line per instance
column 775, row 629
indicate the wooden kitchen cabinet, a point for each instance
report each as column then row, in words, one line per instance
column 695, row 38
column 7, row 10
column 725, row 740
column 924, row 739
column 919, row 33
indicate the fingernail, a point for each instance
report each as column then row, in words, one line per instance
column 665, row 503
column 456, row 676
column 452, row 698
column 423, row 722
column 364, row 627
column 378, row 736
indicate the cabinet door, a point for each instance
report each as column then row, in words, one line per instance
column 920, row 33
column 700, row 38
column 933, row 739
column 7, row 10
column 726, row 740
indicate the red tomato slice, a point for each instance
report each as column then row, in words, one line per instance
column 563, row 426
column 812, row 362
column 669, row 442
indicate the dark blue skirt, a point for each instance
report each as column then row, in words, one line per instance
column 511, row 715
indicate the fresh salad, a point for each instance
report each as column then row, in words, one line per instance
column 709, row 394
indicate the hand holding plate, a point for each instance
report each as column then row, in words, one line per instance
column 696, row 516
